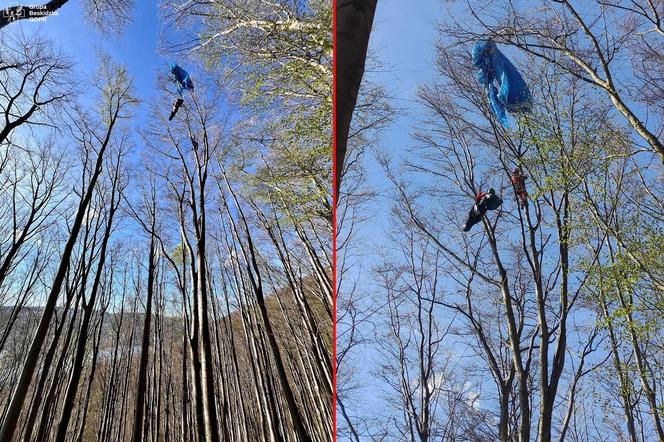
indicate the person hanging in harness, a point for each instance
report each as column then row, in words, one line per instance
column 182, row 82
column 483, row 203
column 518, row 180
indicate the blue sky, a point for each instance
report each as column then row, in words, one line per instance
column 135, row 47
column 402, row 40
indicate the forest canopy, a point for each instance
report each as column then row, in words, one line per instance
column 166, row 279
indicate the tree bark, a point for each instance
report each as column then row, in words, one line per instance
column 145, row 347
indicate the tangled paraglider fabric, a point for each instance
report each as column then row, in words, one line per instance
column 513, row 94
column 181, row 79
column 182, row 82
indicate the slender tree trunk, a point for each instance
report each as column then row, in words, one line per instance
column 253, row 272
column 145, row 347
column 91, row 377
column 515, row 343
column 77, row 368
column 32, row 356
column 50, row 397
column 205, row 348
column 32, row 416
column 623, row 378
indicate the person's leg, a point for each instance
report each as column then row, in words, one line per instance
column 175, row 108
column 474, row 216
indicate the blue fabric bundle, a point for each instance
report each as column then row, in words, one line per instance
column 494, row 67
column 181, row 79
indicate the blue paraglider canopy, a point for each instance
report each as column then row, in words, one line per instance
column 181, row 78
column 494, row 67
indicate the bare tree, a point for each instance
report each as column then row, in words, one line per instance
column 89, row 303
column 432, row 400
column 589, row 47
column 149, row 226
column 521, row 287
column 34, row 78
column 114, row 88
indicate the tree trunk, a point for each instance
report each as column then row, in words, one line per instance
column 32, row 356
column 77, row 368
column 145, row 347
column 253, row 272
column 354, row 19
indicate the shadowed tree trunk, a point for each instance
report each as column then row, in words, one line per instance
column 89, row 306
column 139, row 409
column 354, row 22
